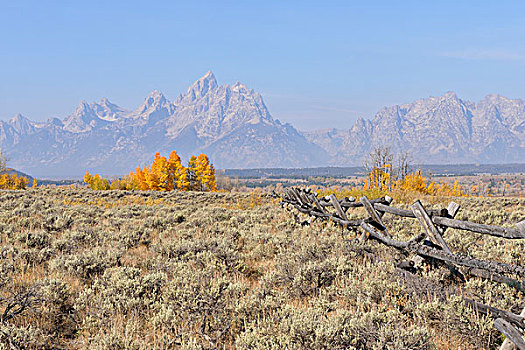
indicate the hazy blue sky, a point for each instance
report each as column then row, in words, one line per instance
column 317, row 64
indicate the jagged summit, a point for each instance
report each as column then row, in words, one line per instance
column 82, row 107
column 107, row 110
column 21, row 124
column 154, row 99
column 18, row 118
column 202, row 86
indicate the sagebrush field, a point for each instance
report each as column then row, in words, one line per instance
column 152, row 270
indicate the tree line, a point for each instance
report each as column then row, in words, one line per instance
column 164, row 174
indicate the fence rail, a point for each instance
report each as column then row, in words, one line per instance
column 428, row 245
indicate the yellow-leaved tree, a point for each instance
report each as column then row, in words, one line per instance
column 163, row 175
column 194, row 184
column 178, row 172
column 160, row 172
column 96, row 182
column 205, row 173
column 152, row 179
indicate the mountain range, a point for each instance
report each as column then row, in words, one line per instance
column 233, row 126
column 435, row 130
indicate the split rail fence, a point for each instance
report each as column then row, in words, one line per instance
column 429, row 245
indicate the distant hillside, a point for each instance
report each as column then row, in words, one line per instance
column 21, row 174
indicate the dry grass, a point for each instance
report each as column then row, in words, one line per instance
column 142, row 270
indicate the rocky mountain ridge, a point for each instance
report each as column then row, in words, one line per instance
column 232, row 124
column 435, row 130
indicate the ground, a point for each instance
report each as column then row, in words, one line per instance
column 143, row 270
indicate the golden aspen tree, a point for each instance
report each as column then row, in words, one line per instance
column 20, row 182
column 152, row 179
column 192, row 174
column 132, row 183
column 173, row 165
column 206, row 173
column 88, row 178
column 211, row 180
column 35, row 183
column 94, row 183
column 119, row 184
column 456, row 191
column 164, row 174
column 141, row 179
column 202, row 164
column 3, row 181
column 99, row 183
column 159, row 168
column 182, row 182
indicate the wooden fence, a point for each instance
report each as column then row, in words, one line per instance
column 426, row 246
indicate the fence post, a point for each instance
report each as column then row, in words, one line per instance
column 510, row 332
column 428, row 225
column 508, row 344
column 376, row 216
column 337, row 206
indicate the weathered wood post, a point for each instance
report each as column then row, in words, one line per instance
column 510, row 332
column 375, row 216
column 508, row 344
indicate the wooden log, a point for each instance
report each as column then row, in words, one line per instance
column 327, row 216
column 406, row 213
column 507, row 344
column 504, row 232
column 430, row 252
column 316, row 204
column 428, row 225
column 347, row 200
column 495, row 312
column 439, row 217
column 304, row 198
column 510, row 332
column 384, row 239
column 407, row 265
column 452, row 210
column 495, row 277
column 496, row 267
column 325, row 202
column 293, row 196
column 376, row 217
column 337, row 207
column 520, row 226
column 297, row 197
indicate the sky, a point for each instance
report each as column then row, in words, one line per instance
column 317, row 64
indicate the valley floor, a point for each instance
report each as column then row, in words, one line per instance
column 143, row 270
